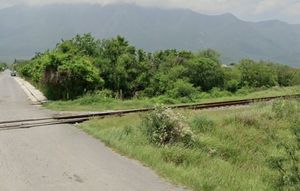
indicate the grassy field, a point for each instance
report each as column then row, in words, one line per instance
column 235, row 148
column 97, row 102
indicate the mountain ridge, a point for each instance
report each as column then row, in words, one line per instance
column 26, row 30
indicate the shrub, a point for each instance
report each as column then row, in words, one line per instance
column 205, row 73
column 217, row 92
column 245, row 90
column 164, row 100
column 232, row 86
column 98, row 96
column 257, row 74
column 3, row 66
column 182, row 89
column 164, row 126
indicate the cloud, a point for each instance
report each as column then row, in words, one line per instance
column 269, row 5
column 293, row 10
column 288, row 10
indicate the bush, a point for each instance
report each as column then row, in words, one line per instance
column 3, row 66
column 164, row 100
column 205, row 73
column 257, row 74
column 232, row 86
column 182, row 89
column 245, row 90
column 164, row 126
column 217, row 92
column 98, row 96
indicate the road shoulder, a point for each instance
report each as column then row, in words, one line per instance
column 34, row 95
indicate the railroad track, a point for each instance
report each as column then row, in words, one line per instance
column 78, row 118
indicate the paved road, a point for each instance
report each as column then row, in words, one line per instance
column 61, row 158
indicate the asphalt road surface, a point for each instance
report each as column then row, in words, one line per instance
column 61, row 157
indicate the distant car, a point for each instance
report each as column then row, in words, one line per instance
column 13, row 73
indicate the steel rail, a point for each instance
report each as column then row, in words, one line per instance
column 27, row 123
column 48, row 123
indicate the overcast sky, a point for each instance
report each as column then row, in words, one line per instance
column 253, row 10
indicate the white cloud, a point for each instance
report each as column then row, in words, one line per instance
column 288, row 10
column 268, row 5
column 293, row 10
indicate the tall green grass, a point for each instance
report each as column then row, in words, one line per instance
column 101, row 102
column 233, row 148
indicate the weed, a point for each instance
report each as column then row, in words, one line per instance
column 202, row 124
column 248, row 119
column 238, row 155
column 288, row 162
column 164, row 126
column 284, row 109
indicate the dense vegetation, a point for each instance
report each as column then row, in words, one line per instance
column 255, row 148
column 246, row 148
column 3, row 66
column 84, row 64
column 102, row 101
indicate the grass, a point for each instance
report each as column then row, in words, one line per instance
column 231, row 150
column 99, row 103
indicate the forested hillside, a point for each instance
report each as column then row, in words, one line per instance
column 26, row 30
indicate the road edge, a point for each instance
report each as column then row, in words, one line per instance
column 34, row 95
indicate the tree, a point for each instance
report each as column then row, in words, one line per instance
column 205, row 73
column 212, row 54
column 285, row 75
column 123, row 68
column 257, row 74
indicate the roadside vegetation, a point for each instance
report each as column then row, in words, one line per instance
column 244, row 148
column 3, row 66
column 84, row 66
column 248, row 148
column 103, row 101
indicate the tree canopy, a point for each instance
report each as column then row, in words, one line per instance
column 85, row 64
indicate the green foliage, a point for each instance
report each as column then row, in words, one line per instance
column 286, row 75
column 257, row 74
column 285, row 109
column 226, row 154
column 3, row 66
column 202, row 124
column 74, row 77
column 84, row 64
column 248, row 119
column 65, row 72
column 205, row 73
column 164, row 126
column 123, row 69
column 96, row 97
column 232, row 79
column 287, row 163
column 232, row 85
column 182, row 89
column 217, row 92
column 211, row 54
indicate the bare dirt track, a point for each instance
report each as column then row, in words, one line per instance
column 61, row 157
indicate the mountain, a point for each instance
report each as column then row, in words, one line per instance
column 25, row 30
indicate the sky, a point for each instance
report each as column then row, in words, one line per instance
column 250, row 10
